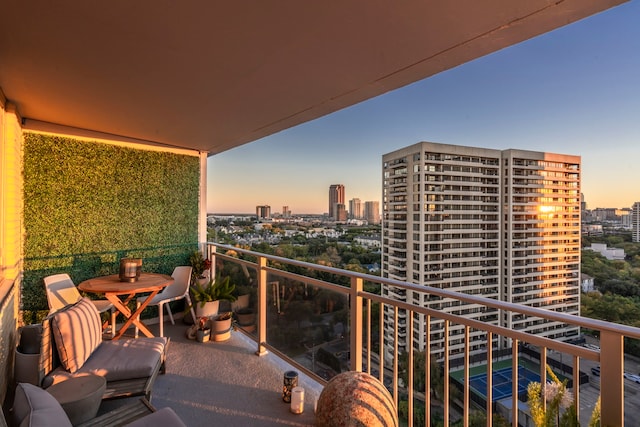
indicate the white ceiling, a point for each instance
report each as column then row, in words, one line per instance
column 212, row 75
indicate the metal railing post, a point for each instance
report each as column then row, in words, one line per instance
column 356, row 321
column 211, row 256
column 611, row 379
column 262, row 305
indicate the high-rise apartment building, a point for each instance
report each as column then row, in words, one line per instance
column 336, row 196
column 635, row 222
column 502, row 224
column 355, row 209
column 263, row 212
column 340, row 212
column 286, row 212
column 372, row 212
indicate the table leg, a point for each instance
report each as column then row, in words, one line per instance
column 131, row 318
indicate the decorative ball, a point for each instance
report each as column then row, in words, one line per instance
column 355, row 399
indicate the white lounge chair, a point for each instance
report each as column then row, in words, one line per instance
column 176, row 291
column 61, row 292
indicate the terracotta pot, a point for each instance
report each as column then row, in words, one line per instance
column 221, row 329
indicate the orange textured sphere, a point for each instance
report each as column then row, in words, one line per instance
column 355, row 399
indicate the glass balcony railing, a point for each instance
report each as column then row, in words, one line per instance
column 457, row 355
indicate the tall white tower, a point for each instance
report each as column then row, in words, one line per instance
column 635, row 222
column 501, row 224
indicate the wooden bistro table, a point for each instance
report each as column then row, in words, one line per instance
column 121, row 293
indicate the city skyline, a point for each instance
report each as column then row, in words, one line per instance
column 573, row 91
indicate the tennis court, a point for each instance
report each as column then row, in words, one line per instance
column 502, row 382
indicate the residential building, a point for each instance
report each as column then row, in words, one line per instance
column 625, row 218
column 340, row 213
column 263, row 212
column 587, row 283
column 635, row 222
column 592, row 229
column 368, row 241
column 605, row 214
column 286, row 212
column 504, row 224
column 355, row 209
column 336, row 196
column 372, row 212
column 609, row 253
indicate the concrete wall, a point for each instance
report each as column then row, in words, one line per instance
column 11, row 232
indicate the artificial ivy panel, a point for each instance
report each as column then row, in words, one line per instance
column 88, row 204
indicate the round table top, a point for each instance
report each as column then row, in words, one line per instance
column 111, row 284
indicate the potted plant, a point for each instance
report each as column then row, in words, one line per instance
column 207, row 296
column 200, row 267
column 203, row 334
column 221, row 326
column 246, row 318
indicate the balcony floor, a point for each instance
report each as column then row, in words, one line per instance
column 225, row 383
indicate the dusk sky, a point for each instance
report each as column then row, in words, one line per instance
column 575, row 90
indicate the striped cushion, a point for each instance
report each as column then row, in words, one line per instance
column 77, row 332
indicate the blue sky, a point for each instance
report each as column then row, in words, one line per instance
column 575, row 90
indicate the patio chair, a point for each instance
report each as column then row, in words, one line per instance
column 61, row 291
column 178, row 290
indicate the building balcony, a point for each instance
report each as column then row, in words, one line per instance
column 361, row 338
column 320, row 321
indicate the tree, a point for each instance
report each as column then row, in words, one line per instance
column 436, row 374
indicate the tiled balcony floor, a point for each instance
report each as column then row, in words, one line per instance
column 225, row 383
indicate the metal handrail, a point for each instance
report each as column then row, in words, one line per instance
column 610, row 356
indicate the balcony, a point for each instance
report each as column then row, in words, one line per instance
column 124, row 107
column 221, row 397
column 225, row 383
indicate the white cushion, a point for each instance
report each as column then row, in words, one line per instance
column 78, row 332
column 35, row 407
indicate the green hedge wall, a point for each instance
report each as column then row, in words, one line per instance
column 88, row 204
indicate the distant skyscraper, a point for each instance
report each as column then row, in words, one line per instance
column 336, row 196
column 263, row 212
column 372, row 212
column 355, row 209
column 635, row 222
column 504, row 224
column 286, row 212
column 341, row 212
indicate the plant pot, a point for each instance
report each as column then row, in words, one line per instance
column 246, row 319
column 203, row 335
column 241, row 302
column 210, row 309
column 221, row 328
column 26, row 367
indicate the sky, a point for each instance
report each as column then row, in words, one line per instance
column 575, row 90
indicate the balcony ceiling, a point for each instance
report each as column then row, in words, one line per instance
column 212, row 75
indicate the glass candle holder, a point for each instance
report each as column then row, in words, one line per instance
column 297, row 400
column 289, row 382
column 130, row 269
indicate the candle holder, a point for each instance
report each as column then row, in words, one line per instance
column 130, row 269
column 289, row 382
column 297, row 400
